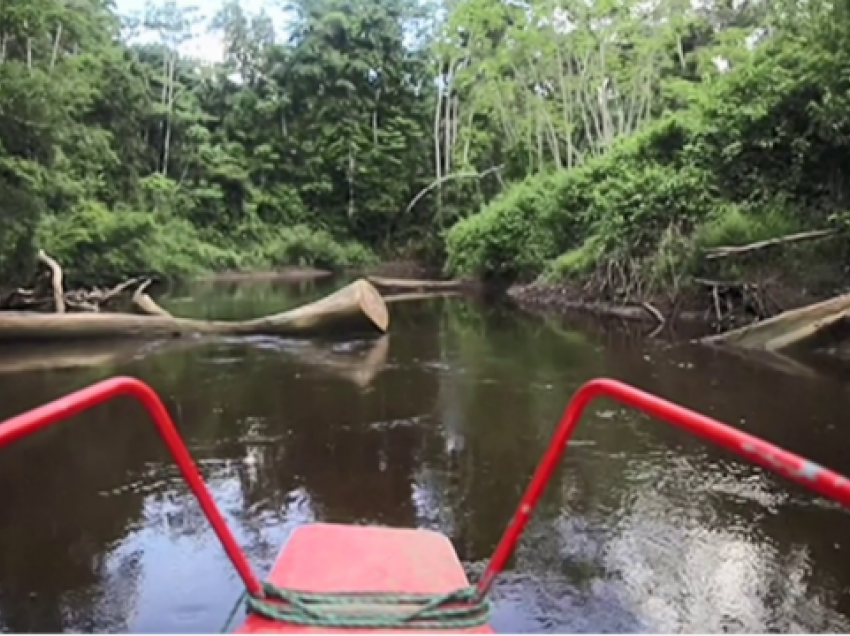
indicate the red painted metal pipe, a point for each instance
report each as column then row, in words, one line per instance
column 32, row 421
column 802, row 471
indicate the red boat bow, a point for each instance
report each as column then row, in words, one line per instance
column 364, row 579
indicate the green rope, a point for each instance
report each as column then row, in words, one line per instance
column 233, row 611
column 453, row 611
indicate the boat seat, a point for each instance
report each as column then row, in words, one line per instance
column 327, row 558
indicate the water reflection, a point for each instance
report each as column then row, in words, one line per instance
column 438, row 425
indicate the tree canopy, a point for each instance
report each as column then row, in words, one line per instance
column 514, row 137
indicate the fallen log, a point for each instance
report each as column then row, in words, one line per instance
column 355, row 306
column 414, row 296
column 788, row 329
column 736, row 250
column 411, row 284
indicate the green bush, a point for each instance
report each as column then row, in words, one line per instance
column 303, row 246
column 622, row 201
column 512, row 238
column 94, row 244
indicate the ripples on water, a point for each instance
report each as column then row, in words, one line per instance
column 644, row 529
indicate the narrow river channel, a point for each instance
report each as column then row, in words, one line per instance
column 438, row 425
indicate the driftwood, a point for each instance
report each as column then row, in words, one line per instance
column 80, row 314
column 55, row 280
column 724, row 252
column 146, row 304
column 788, row 329
column 411, row 284
column 354, row 306
column 60, row 300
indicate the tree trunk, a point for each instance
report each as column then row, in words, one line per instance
column 358, row 305
column 410, row 284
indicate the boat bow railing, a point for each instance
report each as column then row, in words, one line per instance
column 749, row 447
column 754, row 449
column 70, row 405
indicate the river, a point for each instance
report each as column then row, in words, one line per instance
column 438, row 425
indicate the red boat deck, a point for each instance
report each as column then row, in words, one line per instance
column 328, row 558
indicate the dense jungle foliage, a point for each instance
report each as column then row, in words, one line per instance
column 663, row 131
column 508, row 138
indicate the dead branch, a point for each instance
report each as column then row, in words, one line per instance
column 653, row 311
column 120, row 289
column 724, row 252
column 146, row 304
column 449, row 177
column 55, row 280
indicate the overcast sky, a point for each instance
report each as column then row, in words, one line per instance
column 205, row 46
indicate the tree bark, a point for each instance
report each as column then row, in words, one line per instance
column 358, row 305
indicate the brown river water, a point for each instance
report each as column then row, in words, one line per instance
column 439, row 425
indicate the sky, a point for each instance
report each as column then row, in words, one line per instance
column 206, row 46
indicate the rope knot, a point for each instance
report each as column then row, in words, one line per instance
column 460, row 609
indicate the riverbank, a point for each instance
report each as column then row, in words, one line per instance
column 703, row 306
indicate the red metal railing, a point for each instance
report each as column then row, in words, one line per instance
column 84, row 399
column 800, row 470
column 756, row 450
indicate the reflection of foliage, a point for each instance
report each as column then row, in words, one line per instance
column 226, row 300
